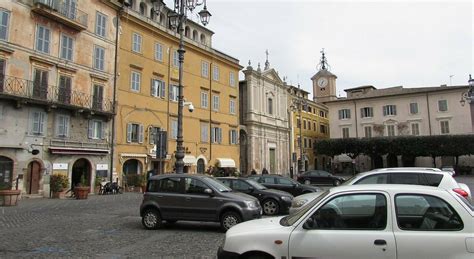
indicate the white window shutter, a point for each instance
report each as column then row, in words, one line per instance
column 129, row 132
column 91, row 124
column 153, row 87
column 140, row 134
column 230, row 136
column 66, row 126
column 220, row 135
column 163, row 89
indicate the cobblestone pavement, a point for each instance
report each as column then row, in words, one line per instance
column 107, row 226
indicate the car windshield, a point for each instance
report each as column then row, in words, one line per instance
column 295, row 216
column 217, row 185
column 256, row 185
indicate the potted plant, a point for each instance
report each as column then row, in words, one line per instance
column 57, row 184
column 142, row 182
column 82, row 190
column 8, row 197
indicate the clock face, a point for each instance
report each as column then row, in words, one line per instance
column 322, row 82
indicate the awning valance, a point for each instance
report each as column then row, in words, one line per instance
column 225, row 162
column 78, row 151
column 342, row 159
column 133, row 155
column 189, row 160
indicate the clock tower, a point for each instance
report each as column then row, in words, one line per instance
column 324, row 82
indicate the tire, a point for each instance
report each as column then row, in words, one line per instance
column 270, row 207
column 230, row 219
column 307, row 182
column 151, row 219
column 337, row 182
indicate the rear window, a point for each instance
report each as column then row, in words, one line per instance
column 433, row 179
column 405, row 178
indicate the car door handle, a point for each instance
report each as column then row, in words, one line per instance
column 188, row 198
column 380, row 242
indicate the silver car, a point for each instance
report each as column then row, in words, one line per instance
column 398, row 175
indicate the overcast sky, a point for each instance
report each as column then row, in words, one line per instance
column 382, row 43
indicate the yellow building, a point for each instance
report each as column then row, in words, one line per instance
column 147, row 96
column 314, row 123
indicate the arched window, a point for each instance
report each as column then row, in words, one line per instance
column 187, row 32
column 201, row 166
column 203, row 39
column 152, row 14
column 161, row 19
column 195, row 35
column 270, row 106
column 143, row 8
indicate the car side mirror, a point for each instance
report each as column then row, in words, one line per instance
column 251, row 189
column 209, row 192
column 310, row 223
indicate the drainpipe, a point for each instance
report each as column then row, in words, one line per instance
column 210, row 111
column 429, row 115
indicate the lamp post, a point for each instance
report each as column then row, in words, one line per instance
column 177, row 19
column 469, row 97
column 297, row 105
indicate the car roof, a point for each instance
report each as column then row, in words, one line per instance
column 404, row 170
column 154, row 177
column 392, row 188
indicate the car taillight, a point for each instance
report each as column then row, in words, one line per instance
column 461, row 192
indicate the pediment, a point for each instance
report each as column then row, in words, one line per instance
column 272, row 75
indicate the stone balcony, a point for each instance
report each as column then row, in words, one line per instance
column 67, row 14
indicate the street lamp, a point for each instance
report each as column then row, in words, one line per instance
column 297, row 105
column 469, row 95
column 177, row 19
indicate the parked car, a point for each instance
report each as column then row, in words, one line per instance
column 272, row 201
column 399, row 175
column 319, row 177
column 282, row 183
column 173, row 197
column 370, row 221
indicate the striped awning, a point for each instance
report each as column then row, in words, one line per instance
column 225, row 162
column 189, row 160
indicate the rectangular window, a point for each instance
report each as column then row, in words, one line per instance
column 390, row 130
column 415, row 129
column 174, row 129
column 368, row 131
column 4, row 20
column 366, row 112
column 444, row 127
column 215, row 102
column 413, row 108
column 216, row 135
column 152, row 134
column 204, row 132
column 314, row 126
column 98, row 97
column 205, row 69
column 232, row 106
column 389, row 110
column 304, row 124
column 134, row 133
column 43, row 39
column 40, row 84
column 298, row 142
column 231, row 78
column 323, row 128
column 176, row 59
column 38, row 123
column 100, row 24
column 62, row 125
column 64, row 89
column 99, row 57
column 67, row 45
column 305, row 142
column 443, row 105
column 204, row 99
column 158, row 88
column 137, row 43
column 135, row 81
column 233, row 136
column 215, row 73
column 96, row 129
column 345, row 132
column 174, row 92
column 322, row 114
column 158, row 52
column 270, row 106
column 344, row 114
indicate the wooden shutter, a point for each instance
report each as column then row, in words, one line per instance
column 140, row 133
column 129, row 132
column 394, row 110
column 163, row 89
column 91, row 129
column 154, row 86
column 102, row 130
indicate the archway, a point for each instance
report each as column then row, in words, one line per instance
column 33, row 178
column 392, row 160
column 81, row 167
column 201, row 166
column 6, row 171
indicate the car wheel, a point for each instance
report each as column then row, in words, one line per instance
column 307, row 182
column 270, row 207
column 151, row 219
column 257, row 256
column 337, row 182
column 230, row 219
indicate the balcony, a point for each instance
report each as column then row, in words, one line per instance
column 57, row 10
column 26, row 91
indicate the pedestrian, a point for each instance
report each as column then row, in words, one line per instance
column 253, row 172
column 264, row 171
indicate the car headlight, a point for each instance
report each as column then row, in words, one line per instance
column 251, row 204
column 298, row 203
column 286, row 198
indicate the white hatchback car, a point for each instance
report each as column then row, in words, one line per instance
column 369, row 221
column 398, row 175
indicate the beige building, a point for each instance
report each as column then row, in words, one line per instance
column 56, row 91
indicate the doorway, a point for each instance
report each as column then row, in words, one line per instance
column 6, row 171
column 272, row 160
column 34, row 177
column 201, row 167
column 81, row 168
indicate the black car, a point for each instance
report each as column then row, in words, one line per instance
column 191, row 197
column 319, row 177
column 272, row 201
column 275, row 181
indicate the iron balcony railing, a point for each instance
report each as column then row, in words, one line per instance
column 78, row 144
column 22, row 88
column 67, row 9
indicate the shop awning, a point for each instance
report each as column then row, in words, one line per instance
column 189, row 160
column 132, row 155
column 225, row 162
column 342, row 159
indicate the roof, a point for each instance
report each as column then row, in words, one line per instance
column 399, row 90
column 387, row 187
column 360, row 87
column 323, row 72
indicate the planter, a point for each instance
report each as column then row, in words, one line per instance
column 9, row 197
column 81, row 192
column 59, row 195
